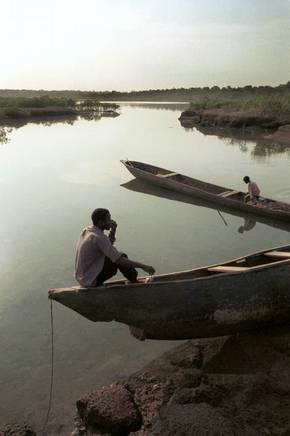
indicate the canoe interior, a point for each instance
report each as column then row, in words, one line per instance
column 214, row 189
column 209, row 188
column 260, row 259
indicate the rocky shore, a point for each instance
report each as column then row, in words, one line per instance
column 17, row 430
column 231, row 386
column 238, row 385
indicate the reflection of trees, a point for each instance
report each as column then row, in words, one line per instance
column 242, row 143
column 91, row 116
column 262, row 148
column 47, row 121
column 4, row 134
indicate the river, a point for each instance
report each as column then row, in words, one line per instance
column 51, row 178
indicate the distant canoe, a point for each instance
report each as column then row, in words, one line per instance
column 141, row 186
column 207, row 191
column 247, row 293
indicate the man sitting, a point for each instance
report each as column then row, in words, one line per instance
column 97, row 259
column 253, row 194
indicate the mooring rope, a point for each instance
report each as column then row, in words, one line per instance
column 51, row 370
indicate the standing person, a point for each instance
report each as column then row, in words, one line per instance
column 97, row 259
column 253, row 190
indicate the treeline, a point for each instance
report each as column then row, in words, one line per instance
column 190, row 94
column 35, row 101
column 173, row 94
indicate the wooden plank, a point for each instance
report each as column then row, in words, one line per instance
column 227, row 193
column 167, row 175
column 224, row 268
column 283, row 254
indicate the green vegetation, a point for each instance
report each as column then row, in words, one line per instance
column 264, row 104
column 16, row 107
column 26, row 107
column 32, row 102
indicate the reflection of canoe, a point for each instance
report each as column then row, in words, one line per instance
column 207, row 191
column 246, row 293
column 139, row 185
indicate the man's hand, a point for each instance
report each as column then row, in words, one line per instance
column 113, row 225
column 113, row 231
column 149, row 269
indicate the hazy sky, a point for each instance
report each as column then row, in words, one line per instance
column 141, row 44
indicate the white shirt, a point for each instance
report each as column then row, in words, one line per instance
column 92, row 248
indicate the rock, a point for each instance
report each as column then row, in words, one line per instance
column 233, row 385
column 17, row 430
column 110, row 409
column 191, row 420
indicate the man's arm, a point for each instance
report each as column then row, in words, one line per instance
column 112, row 234
column 124, row 261
column 250, row 191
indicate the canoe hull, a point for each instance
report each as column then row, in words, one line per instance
column 186, row 309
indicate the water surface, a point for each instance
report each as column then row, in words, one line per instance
column 51, row 178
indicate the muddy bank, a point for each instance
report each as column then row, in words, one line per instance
column 220, row 118
column 232, row 386
column 281, row 135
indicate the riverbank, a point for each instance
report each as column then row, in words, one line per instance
column 231, row 385
column 251, row 116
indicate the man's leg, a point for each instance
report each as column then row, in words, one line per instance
column 109, row 270
column 128, row 272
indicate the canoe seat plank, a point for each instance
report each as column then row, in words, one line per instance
column 167, row 175
column 222, row 268
column 227, row 193
column 282, row 254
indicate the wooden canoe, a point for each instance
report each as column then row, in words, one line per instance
column 139, row 185
column 207, row 191
column 250, row 292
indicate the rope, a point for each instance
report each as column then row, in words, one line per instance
column 51, row 370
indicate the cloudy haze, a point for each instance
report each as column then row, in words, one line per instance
column 143, row 44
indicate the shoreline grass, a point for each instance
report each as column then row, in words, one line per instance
column 268, row 104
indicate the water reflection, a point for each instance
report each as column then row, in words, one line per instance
column 9, row 125
column 178, row 106
column 4, row 131
column 249, row 224
column 263, row 147
column 249, row 220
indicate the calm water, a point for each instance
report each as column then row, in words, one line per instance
column 51, row 178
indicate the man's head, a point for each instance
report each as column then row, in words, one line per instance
column 101, row 218
column 246, row 179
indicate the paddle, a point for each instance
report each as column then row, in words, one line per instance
column 222, row 217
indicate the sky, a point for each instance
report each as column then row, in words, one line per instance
column 143, row 44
